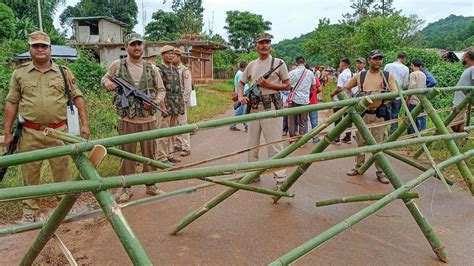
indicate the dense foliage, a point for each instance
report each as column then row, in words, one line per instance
column 288, row 50
column 7, row 20
column 452, row 33
column 185, row 17
column 242, row 28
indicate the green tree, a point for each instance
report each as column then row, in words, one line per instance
column 24, row 27
column 452, row 33
column 163, row 27
column 387, row 33
column 123, row 10
column 242, row 28
column 190, row 13
column 7, row 20
column 29, row 9
column 365, row 9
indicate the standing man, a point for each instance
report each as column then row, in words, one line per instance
column 467, row 79
column 174, row 103
column 138, row 116
column 301, row 82
column 400, row 72
column 417, row 80
column 344, row 76
column 360, row 66
column 242, row 107
column 183, row 142
column 269, row 99
column 372, row 81
column 38, row 91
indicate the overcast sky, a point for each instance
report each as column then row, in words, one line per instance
column 292, row 18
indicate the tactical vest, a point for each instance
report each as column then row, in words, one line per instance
column 147, row 84
column 174, row 96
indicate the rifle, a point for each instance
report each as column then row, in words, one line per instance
column 254, row 90
column 127, row 89
column 12, row 147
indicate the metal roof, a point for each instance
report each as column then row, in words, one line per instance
column 57, row 51
column 121, row 23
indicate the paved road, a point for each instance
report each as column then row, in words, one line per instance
column 248, row 229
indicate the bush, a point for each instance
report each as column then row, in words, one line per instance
column 88, row 72
column 447, row 75
column 428, row 57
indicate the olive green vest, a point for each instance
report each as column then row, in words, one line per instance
column 147, row 84
column 174, row 96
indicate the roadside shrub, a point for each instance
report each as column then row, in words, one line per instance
column 429, row 57
column 447, row 75
column 88, row 72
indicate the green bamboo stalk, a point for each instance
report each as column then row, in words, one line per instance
column 425, row 148
column 248, row 178
column 114, row 215
column 364, row 213
column 48, row 153
column 322, row 145
column 93, row 213
column 402, row 127
column 397, row 183
column 247, row 187
column 17, row 193
column 447, row 121
column 50, row 227
column 359, row 198
column 64, row 136
column 451, row 145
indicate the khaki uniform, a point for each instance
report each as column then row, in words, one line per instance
column 184, row 141
column 144, row 76
column 175, row 107
column 41, row 99
column 372, row 83
column 269, row 128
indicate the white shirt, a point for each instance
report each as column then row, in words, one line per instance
column 301, row 95
column 400, row 72
column 342, row 79
column 356, row 89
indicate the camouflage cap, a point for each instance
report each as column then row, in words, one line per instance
column 360, row 59
column 39, row 37
column 149, row 55
column 133, row 37
column 167, row 48
column 263, row 37
column 375, row 53
column 177, row 51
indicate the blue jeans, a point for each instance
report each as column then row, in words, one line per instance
column 396, row 105
column 420, row 121
column 240, row 111
column 313, row 119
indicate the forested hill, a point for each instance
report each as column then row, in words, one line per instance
column 452, row 33
column 288, row 50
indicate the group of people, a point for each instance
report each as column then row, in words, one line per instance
column 41, row 90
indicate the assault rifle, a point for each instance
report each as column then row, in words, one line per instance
column 13, row 145
column 126, row 89
column 254, row 90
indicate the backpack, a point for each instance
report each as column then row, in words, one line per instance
column 362, row 79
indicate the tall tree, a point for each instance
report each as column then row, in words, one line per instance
column 163, row 27
column 123, row 10
column 365, row 9
column 242, row 28
column 190, row 13
column 7, row 20
column 29, row 9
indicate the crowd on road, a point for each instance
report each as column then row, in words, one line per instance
column 45, row 94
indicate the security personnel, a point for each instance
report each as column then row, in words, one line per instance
column 183, row 142
column 373, row 81
column 174, row 103
column 138, row 116
column 37, row 91
column 270, row 99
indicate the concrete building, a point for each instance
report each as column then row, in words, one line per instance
column 105, row 37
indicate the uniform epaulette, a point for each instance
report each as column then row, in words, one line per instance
column 22, row 65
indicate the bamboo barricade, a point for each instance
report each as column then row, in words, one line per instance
column 350, row 112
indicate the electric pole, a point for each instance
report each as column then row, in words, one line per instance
column 39, row 16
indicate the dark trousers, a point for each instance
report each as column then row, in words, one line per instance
column 297, row 123
column 395, row 109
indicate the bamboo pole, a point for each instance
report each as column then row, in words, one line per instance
column 448, row 120
column 359, row 198
column 451, row 145
column 364, row 213
column 247, row 187
column 402, row 127
column 57, row 216
column 322, row 145
column 48, row 153
column 114, row 215
column 248, row 178
column 17, row 193
column 396, row 182
column 93, row 213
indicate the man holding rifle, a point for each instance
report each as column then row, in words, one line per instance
column 269, row 98
column 136, row 115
